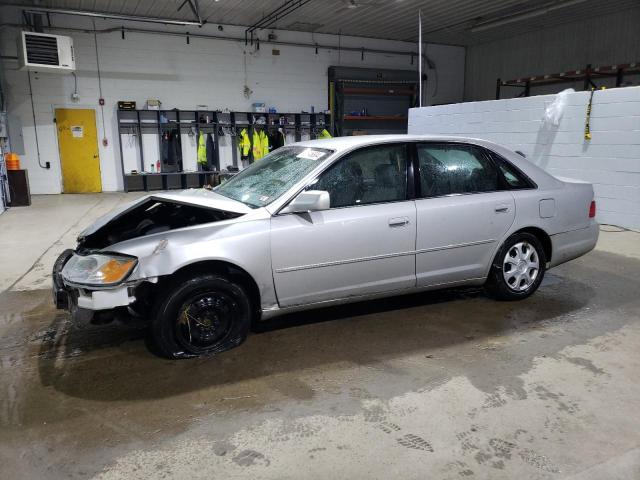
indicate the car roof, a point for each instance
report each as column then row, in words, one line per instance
column 347, row 143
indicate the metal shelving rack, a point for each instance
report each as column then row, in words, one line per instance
column 140, row 122
column 371, row 100
column 589, row 75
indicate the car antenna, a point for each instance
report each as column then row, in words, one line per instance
column 420, row 57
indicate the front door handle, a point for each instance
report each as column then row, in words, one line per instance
column 398, row 222
column 502, row 208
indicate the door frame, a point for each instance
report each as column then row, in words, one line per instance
column 99, row 128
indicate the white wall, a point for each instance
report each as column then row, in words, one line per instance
column 181, row 75
column 611, row 160
column 445, row 84
column 605, row 40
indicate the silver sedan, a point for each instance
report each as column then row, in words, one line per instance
column 324, row 222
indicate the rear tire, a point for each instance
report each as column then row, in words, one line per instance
column 201, row 315
column 518, row 268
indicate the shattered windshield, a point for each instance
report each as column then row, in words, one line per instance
column 266, row 179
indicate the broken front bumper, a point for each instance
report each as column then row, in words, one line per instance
column 82, row 303
column 60, row 293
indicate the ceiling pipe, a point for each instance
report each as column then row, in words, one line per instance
column 402, row 53
column 536, row 12
column 195, row 8
column 277, row 14
column 114, row 16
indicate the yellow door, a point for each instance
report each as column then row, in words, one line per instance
column 78, row 144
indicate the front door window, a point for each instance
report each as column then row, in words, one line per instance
column 370, row 175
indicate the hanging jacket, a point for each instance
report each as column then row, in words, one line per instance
column 211, row 150
column 276, row 140
column 202, row 149
column 170, row 153
column 264, row 142
column 244, row 144
column 324, row 134
column 260, row 146
column 256, row 146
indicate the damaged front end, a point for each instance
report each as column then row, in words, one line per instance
column 101, row 280
column 99, row 302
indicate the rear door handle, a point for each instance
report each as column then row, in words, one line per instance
column 502, row 208
column 398, row 221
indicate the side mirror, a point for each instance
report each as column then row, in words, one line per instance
column 309, row 201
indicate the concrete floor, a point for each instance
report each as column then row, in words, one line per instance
column 444, row 385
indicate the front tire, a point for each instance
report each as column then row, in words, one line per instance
column 202, row 315
column 518, row 268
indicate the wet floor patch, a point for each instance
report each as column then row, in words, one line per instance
column 79, row 396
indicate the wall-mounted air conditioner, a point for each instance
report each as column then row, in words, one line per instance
column 46, row 53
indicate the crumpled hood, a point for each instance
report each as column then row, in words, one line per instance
column 195, row 196
column 206, row 198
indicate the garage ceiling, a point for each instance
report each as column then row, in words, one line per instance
column 444, row 21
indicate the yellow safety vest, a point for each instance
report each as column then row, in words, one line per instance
column 202, row 149
column 264, row 140
column 260, row 144
column 244, row 144
column 324, row 134
column 256, row 146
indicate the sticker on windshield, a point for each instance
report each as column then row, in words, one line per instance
column 311, row 154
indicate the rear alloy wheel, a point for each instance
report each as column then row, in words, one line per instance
column 201, row 315
column 518, row 268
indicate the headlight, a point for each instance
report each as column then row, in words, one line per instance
column 98, row 269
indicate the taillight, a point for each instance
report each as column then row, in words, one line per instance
column 592, row 209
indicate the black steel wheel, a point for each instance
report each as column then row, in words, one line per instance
column 204, row 320
column 202, row 315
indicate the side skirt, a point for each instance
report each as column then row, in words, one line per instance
column 270, row 313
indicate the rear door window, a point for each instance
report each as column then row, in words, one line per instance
column 447, row 169
column 513, row 178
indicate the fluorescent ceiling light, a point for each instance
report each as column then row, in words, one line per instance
column 498, row 22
